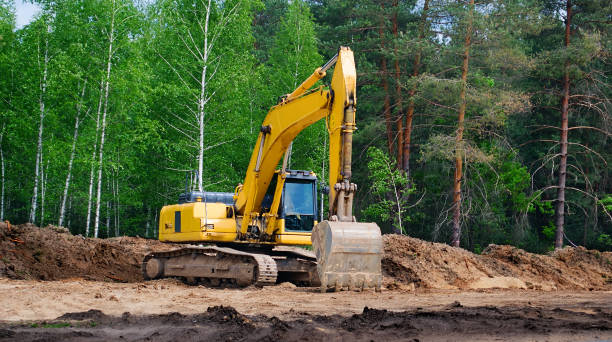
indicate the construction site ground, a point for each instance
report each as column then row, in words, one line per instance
column 58, row 287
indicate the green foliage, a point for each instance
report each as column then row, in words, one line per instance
column 607, row 202
column 605, row 239
column 390, row 192
column 294, row 55
column 516, row 178
column 549, row 230
column 263, row 50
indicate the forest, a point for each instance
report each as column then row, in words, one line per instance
column 479, row 121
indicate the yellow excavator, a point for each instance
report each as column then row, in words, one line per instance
column 251, row 236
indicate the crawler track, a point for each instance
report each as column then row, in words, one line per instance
column 214, row 265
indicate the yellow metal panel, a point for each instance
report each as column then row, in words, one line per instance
column 198, row 236
column 291, row 238
column 343, row 84
column 195, row 226
column 210, row 210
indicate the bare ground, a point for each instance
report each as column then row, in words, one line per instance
column 55, row 286
column 168, row 310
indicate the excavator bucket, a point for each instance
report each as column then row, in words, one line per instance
column 348, row 255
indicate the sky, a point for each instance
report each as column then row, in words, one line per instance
column 25, row 12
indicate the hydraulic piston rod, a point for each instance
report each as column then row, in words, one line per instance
column 318, row 74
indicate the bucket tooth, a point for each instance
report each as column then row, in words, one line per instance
column 348, row 254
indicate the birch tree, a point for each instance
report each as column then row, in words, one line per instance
column 44, row 174
column 81, row 41
column 109, row 64
column 148, row 224
column 121, row 13
column 43, row 66
column 7, row 53
column 72, row 153
column 202, row 55
column 93, row 161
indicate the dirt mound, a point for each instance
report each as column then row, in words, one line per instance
column 412, row 262
column 52, row 253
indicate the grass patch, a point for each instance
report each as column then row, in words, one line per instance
column 56, row 325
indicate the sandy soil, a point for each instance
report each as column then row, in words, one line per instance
column 168, row 310
column 31, row 300
column 58, row 287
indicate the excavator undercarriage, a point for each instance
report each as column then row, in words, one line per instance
column 224, row 266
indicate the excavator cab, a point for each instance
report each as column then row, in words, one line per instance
column 298, row 205
column 299, row 202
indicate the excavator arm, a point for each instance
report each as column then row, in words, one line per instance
column 348, row 252
column 286, row 120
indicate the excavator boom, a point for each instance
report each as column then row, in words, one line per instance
column 348, row 252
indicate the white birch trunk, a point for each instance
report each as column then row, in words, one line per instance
column 69, row 212
column 93, row 160
column 108, row 207
column 117, row 205
column 106, row 90
column 202, row 98
column 41, row 105
column 43, row 190
column 72, row 153
column 112, row 188
column 69, row 175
